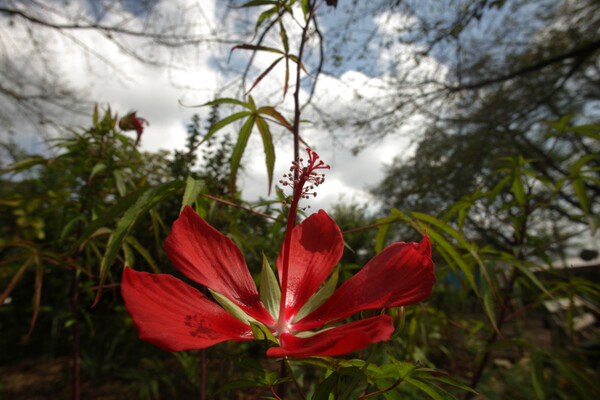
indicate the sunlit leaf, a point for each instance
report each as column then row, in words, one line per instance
column 238, row 151
column 224, row 122
column 270, row 292
column 231, row 307
column 269, row 149
column 193, row 187
column 319, row 297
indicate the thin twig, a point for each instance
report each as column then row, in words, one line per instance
column 229, row 203
column 382, row 390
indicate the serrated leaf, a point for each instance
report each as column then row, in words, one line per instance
column 270, row 292
column 269, row 149
column 224, row 122
column 238, row 151
column 193, row 187
column 262, row 17
column 265, row 73
column 272, row 112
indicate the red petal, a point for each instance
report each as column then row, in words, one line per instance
column 210, row 258
column 174, row 316
column 400, row 275
column 336, row 341
column 316, row 247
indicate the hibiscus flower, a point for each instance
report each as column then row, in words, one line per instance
column 175, row 316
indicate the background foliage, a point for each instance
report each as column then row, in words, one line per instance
column 504, row 179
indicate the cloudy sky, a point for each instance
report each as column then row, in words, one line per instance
column 164, row 96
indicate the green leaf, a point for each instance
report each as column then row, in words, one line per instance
column 305, row 8
column 242, row 383
column 523, row 267
column 489, row 303
column 425, row 387
column 467, row 269
column 272, row 112
column 382, row 231
column 232, row 308
column 108, row 216
column 129, row 257
column 255, row 3
column 262, row 17
column 193, row 187
column 284, row 38
column 537, row 374
column 69, row 226
column 262, row 333
column 96, row 170
column 319, row 297
column 25, row 164
column 141, row 206
column 265, row 73
column 518, row 189
column 143, row 252
column 326, row 387
column 238, row 151
column 581, row 193
column 267, row 139
column 256, row 48
column 270, row 292
column 442, row 377
column 120, row 184
column 224, row 122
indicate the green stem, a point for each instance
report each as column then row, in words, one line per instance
column 294, row 379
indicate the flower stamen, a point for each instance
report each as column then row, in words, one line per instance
column 300, row 174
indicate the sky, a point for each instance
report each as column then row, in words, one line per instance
column 166, row 96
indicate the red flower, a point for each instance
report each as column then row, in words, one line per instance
column 174, row 316
column 131, row 122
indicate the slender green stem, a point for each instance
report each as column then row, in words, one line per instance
column 354, row 382
column 294, row 379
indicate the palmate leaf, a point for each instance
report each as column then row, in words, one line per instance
column 267, row 140
column 238, row 151
column 255, row 116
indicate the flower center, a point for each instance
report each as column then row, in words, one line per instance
column 303, row 179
